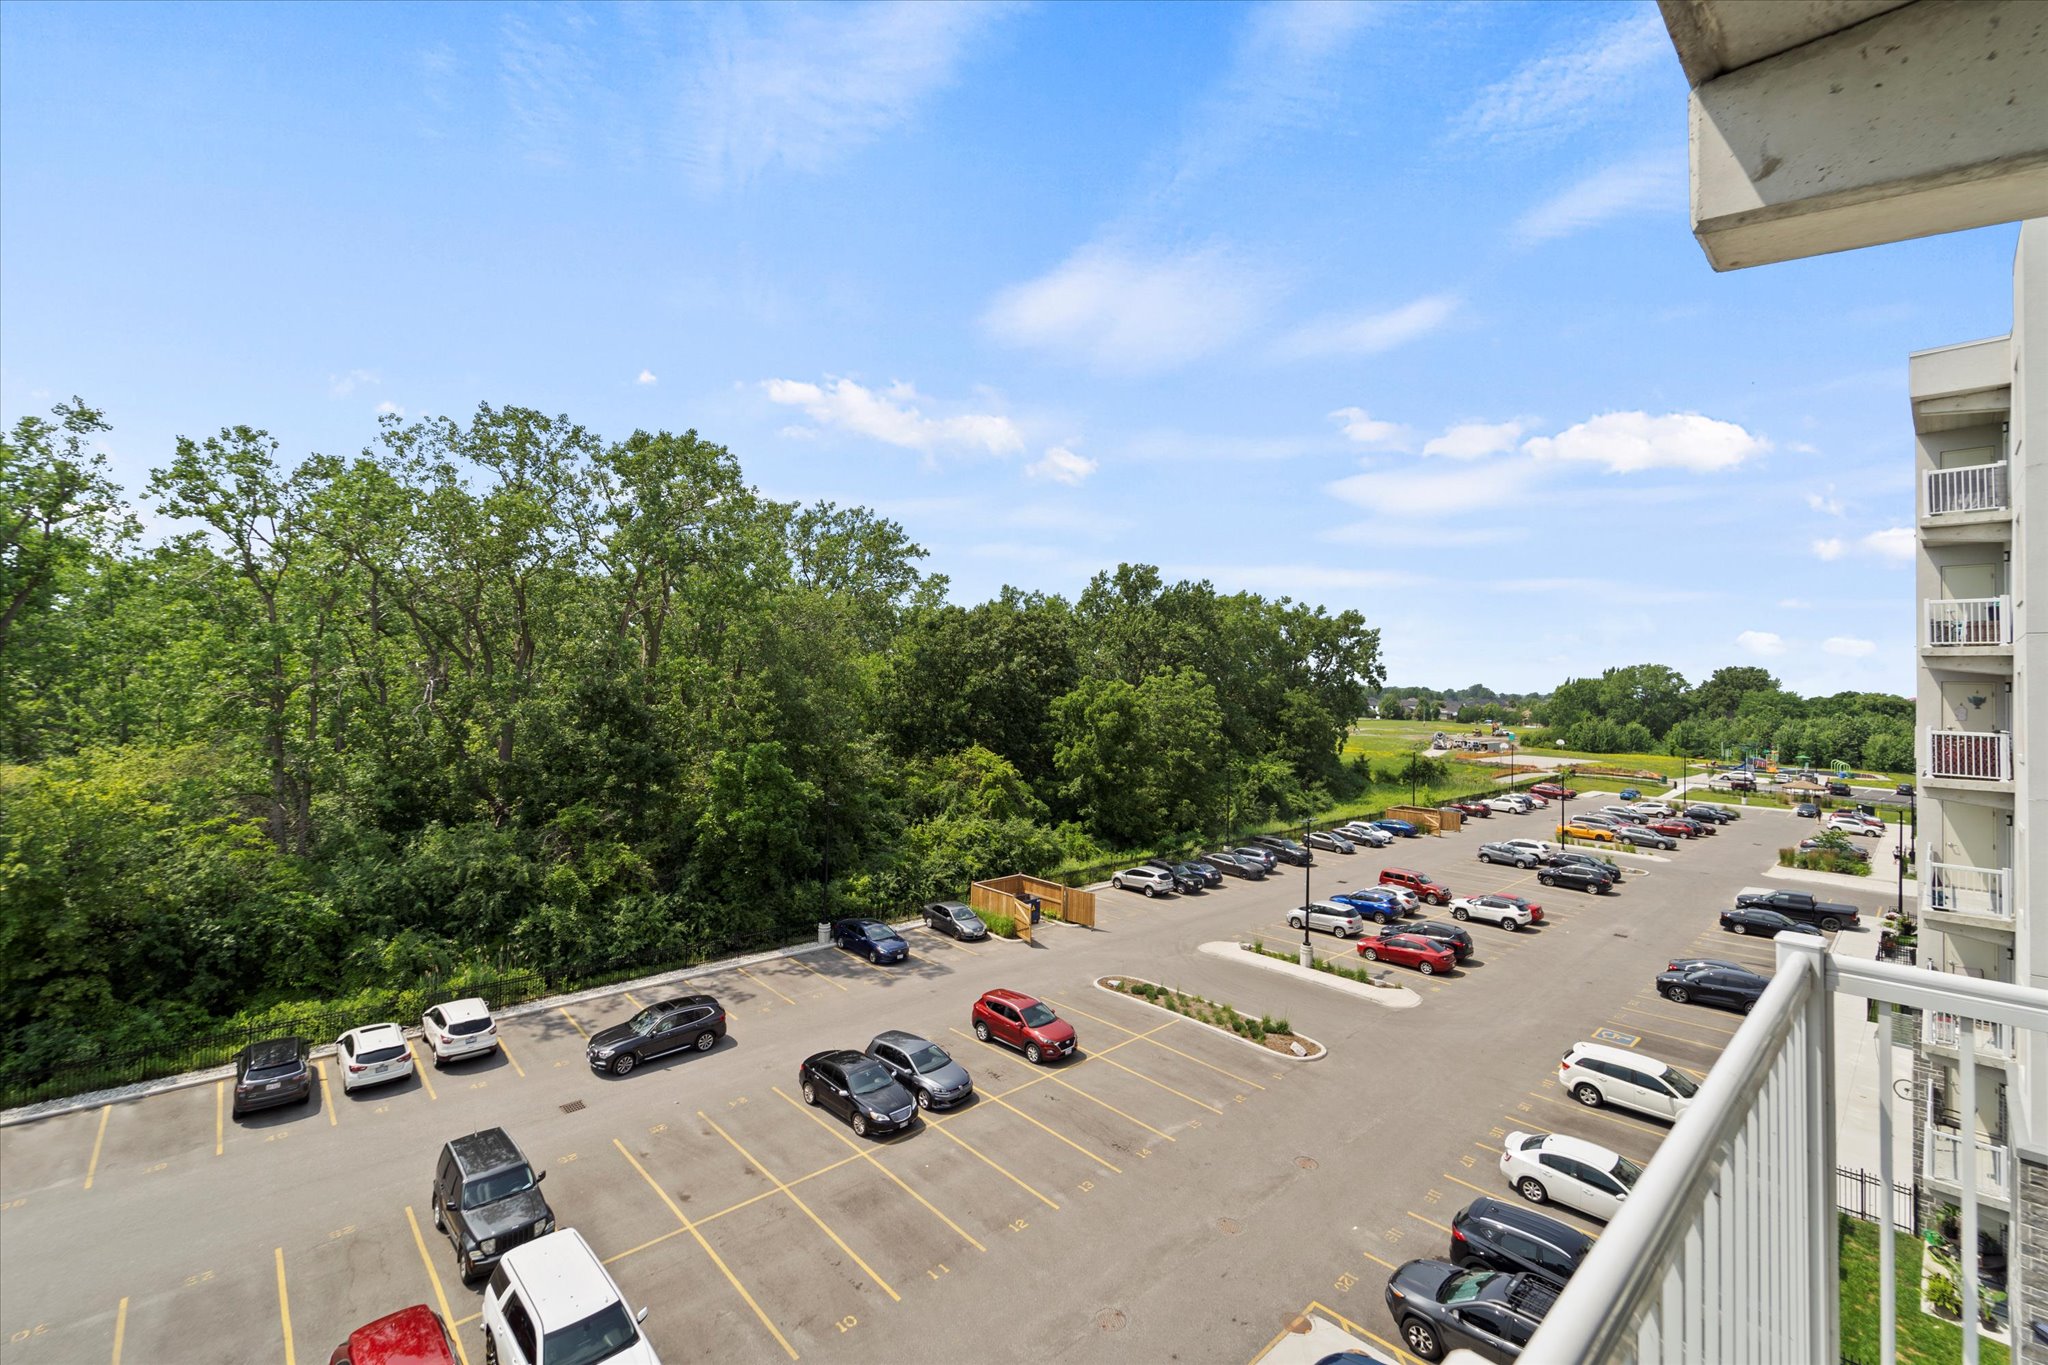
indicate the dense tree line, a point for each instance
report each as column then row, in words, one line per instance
column 501, row 692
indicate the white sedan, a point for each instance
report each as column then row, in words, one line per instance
column 1549, row 1168
column 372, row 1055
column 460, row 1028
column 1506, row 805
column 1509, row 912
column 1328, row 916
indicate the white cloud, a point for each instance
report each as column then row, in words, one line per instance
column 1362, row 427
column 1829, row 548
column 1849, row 647
column 894, row 417
column 1825, row 503
column 1062, row 465
column 1433, row 493
column 1292, row 579
column 342, row 385
column 1370, row 333
column 1567, row 88
column 388, row 408
column 1129, row 314
column 1425, row 534
column 1628, row 442
column 1470, row 440
column 1763, row 643
column 1646, row 185
column 1894, row 542
column 647, row 377
column 1793, row 604
column 1169, row 444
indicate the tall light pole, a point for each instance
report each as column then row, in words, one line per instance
column 1308, row 954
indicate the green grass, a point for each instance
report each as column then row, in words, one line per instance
column 1921, row 1338
column 1595, row 782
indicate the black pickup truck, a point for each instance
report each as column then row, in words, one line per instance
column 1827, row 916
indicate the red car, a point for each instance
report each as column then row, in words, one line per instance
column 411, row 1336
column 1677, row 829
column 1553, row 791
column 1015, row 1019
column 1478, row 808
column 1409, row 950
column 1433, row 892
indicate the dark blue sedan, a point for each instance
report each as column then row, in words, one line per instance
column 871, row 938
column 1400, row 827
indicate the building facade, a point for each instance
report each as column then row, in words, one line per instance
column 1980, row 421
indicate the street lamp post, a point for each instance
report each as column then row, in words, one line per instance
column 1308, row 954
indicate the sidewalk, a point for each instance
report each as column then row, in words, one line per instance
column 1856, row 1093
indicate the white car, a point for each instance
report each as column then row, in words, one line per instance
column 460, row 1028
column 1509, row 912
column 372, row 1055
column 1627, row 815
column 1328, row 915
column 551, row 1301
column 1358, row 832
column 1539, row 849
column 1506, row 805
column 1855, row 822
column 1153, row 881
column 1550, row 1168
column 1655, row 810
column 1523, row 801
column 1595, row 1075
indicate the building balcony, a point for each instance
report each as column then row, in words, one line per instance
column 1945, row 1031
column 1966, row 622
column 1740, row 1198
column 1958, row 889
column 1973, row 488
column 1967, row 756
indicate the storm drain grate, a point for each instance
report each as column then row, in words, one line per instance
column 1307, row 1163
column 572, row 1106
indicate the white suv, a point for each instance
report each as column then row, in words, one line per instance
column 1341, row 920
column 1153, row 881
column 1595, row 1075
column 460, row 1028
column 552, row 1301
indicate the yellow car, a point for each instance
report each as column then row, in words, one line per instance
column 1597, row 833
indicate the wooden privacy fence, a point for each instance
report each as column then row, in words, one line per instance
column 1422, row 817
column 1055, row 901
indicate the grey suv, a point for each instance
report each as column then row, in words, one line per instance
column 487, row 1199
column 923, row 1068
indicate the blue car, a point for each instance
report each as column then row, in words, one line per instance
column 871, row 938
column 1400, row 827
column 1372, row 903
column 1631, row 794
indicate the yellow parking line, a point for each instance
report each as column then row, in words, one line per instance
column 1632, row 1027
column 1372, row 1336
column 326, row 1095
column 434, row 1278
column 1086, row 1096
column 120, row 1329
column 284, row 1311
column 220, row 1120
column 1075, row 1063
column 650, row 1242
column 1431, row 1221
column 1468, row 1185
column 563, row 1010
column 1688, row 1023
column 510, row 1058
column 797, row 1200
column 944, row 1126
column 421, row 1072
column 93, row 1166
column 1627, row 1120
column 1388, row 1264
column 815, row 972
column 874, row 1161
column 759, row 982
column 634, row 998
column 1100, row 1161
column 1278, row 1337
column 1098, row 1057
column 770, row 1194
column 1241, row 1080
column 1484, row 1147
column 716, row 1259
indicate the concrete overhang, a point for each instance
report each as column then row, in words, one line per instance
column 1825, row 125
column 1965, row 385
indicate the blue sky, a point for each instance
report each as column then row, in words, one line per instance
column 1388, row 307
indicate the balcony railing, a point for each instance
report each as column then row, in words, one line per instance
column 1959, row 889
column 1974, row 755
column 1726, row 1249
column 1993, row 1163
column 1945, row 1030
column 1971, row 488
column 1957, row 621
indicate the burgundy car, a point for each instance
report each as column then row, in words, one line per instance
column 1409, row 950
column 1434, row 892
column 1478, row 808
column 1554, row 791
column 1017, row 1020
column 1677, row 829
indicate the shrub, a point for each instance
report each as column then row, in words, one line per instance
column 1003, row 926
column 1944, row 1295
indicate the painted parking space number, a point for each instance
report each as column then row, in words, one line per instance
column 848, row 1323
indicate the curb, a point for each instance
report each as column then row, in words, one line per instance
column 1233, row 951
column 1264, row 1051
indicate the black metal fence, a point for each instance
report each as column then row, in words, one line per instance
column 1862, row 1195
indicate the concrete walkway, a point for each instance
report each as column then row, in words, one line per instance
column 1856, row 1089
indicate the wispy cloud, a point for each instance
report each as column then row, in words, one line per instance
column 1651, row 184
column 1628, row 442
column 1826, row 503
column 342, row 385
column 1369, row 431
column 1764, row 644
column 895, row 417
column 1360, row 334
column 1126, row 313
column 390, row 409
column 647, row 378
column 1471, row 440
column 1568, row 87
column 1062, row 465
column 1292, row 579
column 1894, row 543
column 1849, row 647
column 1413, row 533
column 1829, row 548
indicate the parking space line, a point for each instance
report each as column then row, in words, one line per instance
column 952, row 943
column 1100, row 1161
column 284, row 1311
column 945, row 1126
column 650, row 1242
column 434, row 1278
column 1388, row 1264
column 1675, row 1023
column 1241, row 1080
column 563, row 1010
column 1485, row 1147
column 1099, row 1057
column 1056, row 1080
column 220, row 1122
column 798, row 960
column 716, row 1259
column 326, row 1095
column 1279, row 1337
column 421, row 1071
column 120, row 1328
column 1673, row 1037
column 634, row 999
column 759, row 982
column 1372, row 1336
column 1470, row 1186
column 770, row 1194
column 876, row 1163
column 1626, row 1120
column 1431, row 1221
column 93, row 1166
column 510, row 1058
column 797, row 1200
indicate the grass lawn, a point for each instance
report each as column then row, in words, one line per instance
column 1921, row 1338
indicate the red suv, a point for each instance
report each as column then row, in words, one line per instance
column 1018, row 1020
column 1433, row 892
column 411, row 1336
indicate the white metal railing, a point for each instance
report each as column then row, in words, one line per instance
column 1969, row 488
column 1953, row 621
column 1960, row 889
column 1726, row 1249
column 1972, row 754
column 1944, row 1161
column 1945, row 1030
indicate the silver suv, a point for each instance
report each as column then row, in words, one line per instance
column 1153, row 881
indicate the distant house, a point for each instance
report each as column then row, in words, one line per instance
column 1410, row 705
column 1449, row 710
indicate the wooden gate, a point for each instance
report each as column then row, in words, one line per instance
column 1055, row 901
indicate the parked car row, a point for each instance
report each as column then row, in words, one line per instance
column 279, row 1071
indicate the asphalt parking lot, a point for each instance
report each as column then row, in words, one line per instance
column 1170, row 1193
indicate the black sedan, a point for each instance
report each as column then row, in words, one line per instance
column 1441, row 1308
column 1576, row 877
column 1807, row 810
column 1187, row 876
column 858, row 1089
column 1765, row 923
column 695, row 1022
column 871, row 938
column 1448, row 935
column 1611, row 871
column 1730, row 988
column 951, row 917
column 272, row 1072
